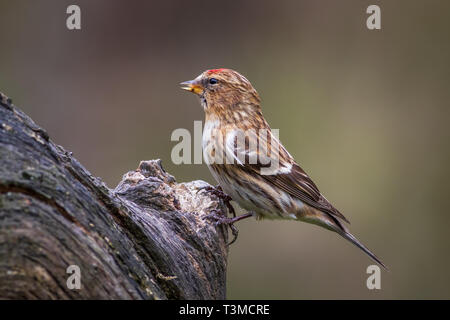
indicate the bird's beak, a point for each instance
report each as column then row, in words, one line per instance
column 192, row 86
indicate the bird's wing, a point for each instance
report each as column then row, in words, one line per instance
column 298, row 184
column 287, row 176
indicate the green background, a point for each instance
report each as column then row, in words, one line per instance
column 365, row 113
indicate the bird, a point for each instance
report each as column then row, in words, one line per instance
column 250, row 164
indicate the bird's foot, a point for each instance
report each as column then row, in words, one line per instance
column 218, row 192
column 223, row 220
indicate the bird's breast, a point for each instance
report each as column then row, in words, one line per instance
column 209, row 140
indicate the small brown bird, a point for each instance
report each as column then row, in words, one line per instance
column 250, row 164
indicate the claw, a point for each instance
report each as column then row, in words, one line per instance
column 223, row 220
column 218, row 192
column 234, row 232
column 217, row 216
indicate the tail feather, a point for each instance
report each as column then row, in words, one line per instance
column 332, row 223
column 347, row 235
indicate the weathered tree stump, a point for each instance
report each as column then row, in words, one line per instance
column 146, row 239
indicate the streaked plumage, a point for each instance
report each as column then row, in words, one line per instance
column 233, row 125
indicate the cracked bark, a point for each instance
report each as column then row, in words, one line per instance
column 146, row 239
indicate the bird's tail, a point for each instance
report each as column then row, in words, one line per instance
column 333, row 223
column 347, row 235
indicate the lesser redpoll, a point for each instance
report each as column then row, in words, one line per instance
column 250, row 164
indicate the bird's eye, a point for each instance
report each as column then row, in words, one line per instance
column 213, row 81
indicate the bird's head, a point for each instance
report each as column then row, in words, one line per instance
column 224, row 94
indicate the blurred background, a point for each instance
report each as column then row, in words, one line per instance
column 364, row 112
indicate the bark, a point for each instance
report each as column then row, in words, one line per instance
column 146, row 239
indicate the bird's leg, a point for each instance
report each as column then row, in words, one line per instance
column 221, row 220
column 217, row 191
